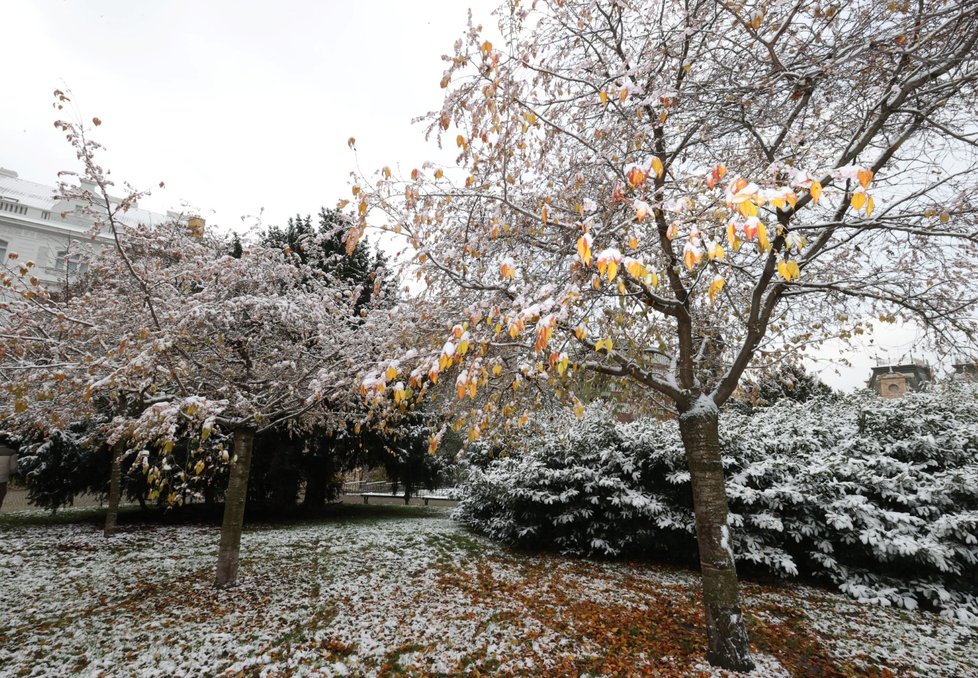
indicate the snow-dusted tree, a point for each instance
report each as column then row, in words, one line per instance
column 668, row 192
column 172, row 331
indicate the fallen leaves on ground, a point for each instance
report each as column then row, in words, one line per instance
column 411, row 594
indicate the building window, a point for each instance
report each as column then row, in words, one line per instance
column 12, row 207
column 45, row 215
column 3, row 251
column 893, row 388
column 73, row 263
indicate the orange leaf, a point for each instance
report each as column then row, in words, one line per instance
column 584, row 248
column 815, row 190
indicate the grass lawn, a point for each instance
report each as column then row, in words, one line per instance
column 377, row 590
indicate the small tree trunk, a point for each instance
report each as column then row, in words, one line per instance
column 234, row 508
column 115, row 492
column 729, row 647
column 315, row 497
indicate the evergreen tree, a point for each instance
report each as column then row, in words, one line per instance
column 789, row 381
column 322, row 246
column 316, row 458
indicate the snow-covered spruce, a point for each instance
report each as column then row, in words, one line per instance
column 878, row 497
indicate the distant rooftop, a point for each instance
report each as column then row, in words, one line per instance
column 29, row 193
column 44, row 198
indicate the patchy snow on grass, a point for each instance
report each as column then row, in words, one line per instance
column 407, row 591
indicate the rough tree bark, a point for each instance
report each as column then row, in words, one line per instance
column 115, row 491
column 234, row 508
column 729, row 646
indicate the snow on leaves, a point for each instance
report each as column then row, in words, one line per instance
column 856, row 492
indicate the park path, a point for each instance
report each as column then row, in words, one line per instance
column 16, row 500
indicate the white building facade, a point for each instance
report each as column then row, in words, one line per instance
column 38, row 226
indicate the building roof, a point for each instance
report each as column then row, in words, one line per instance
column 45, row 198
column 906, row 368
column 29, row 193
column 916, row 372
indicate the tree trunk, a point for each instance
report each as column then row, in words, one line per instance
column 315, row 497
column 115, row 491
column 729, row 646
column 234, row 508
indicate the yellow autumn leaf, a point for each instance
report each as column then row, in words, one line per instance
column 657, row 167
column 715, row 288
column 858, row 200
column 562, row 364
column 865, row 176
column 391, row 373
column 869, row 206
column 635, row 269
column 604, row 97
column 789, row 270
column 763, row 244
column 516, row 327
column 584, row 248
column 497, row 370
column 747, row 208
column 815, row 190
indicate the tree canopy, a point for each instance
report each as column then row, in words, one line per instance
column 669, row 192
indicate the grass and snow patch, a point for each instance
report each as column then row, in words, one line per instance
column 375, row 592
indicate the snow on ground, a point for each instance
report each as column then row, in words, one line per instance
column 407, row 590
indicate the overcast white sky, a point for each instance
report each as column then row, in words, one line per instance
column 242, row 105
column 236, row 105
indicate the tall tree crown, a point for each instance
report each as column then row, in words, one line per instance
column 667, row 192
